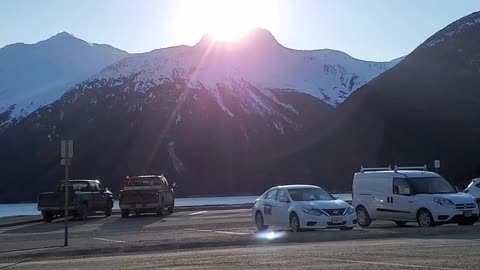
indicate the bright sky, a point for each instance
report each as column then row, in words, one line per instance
column 366, row 29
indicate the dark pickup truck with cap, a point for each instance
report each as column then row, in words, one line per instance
column 147, row 194
column 85, row 196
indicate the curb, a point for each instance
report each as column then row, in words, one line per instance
column 23, row 222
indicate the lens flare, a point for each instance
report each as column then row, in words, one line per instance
column 270, row 235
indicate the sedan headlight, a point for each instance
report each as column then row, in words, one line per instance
column 442, row 201
column 350, row 210
column 311, row 211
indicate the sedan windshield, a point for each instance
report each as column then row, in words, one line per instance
column 430, row 185
column 309, row 194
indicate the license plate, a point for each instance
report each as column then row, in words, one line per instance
column 337, row 220
column 467, row 213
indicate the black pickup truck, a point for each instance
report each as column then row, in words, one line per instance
column 85, row 196
column 148, row 193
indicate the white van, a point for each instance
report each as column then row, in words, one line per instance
column 405, row 194
column 474, row 189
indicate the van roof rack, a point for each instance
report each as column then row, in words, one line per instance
column 395, row 168
column 422, row 168
column 373, row 169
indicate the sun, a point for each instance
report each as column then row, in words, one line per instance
column 225, row 20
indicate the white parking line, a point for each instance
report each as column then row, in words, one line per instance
column 390, row 264
column 197, row 213
column 109, row 240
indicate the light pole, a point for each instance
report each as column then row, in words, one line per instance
column 66, row 154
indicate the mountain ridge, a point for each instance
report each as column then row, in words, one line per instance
column 34, row 75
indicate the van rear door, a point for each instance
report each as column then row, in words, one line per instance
column 372, row 191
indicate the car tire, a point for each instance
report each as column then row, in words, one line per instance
column 82, row 212
column 295, row 223
column 108, row 211
column 260, row 222
column 161, row 209
column 425, row 218
column 47, row 216
column 400, row 223
column 363, row 218
column 346, row 229
column 125, row 213
column 171, row 208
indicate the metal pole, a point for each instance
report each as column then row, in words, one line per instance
column 67, row 185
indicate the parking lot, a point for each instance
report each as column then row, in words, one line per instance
column 210, row 230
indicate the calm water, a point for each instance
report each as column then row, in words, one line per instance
column 26, row 209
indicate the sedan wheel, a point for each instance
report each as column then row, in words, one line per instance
column 259, row 222
column 294, row 223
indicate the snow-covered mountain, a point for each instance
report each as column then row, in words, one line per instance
column 257, row 59
column 34, row 75
column 208, row 116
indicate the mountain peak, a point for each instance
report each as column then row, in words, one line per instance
column 62, row 36
column 255, row 36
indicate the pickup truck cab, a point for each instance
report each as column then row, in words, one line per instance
column 86, row 196
column 147, row 194
column 410, row 194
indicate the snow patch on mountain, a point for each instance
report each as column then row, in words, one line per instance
column 455, row 28
column 34, row 75
column 177, row 163
column 326, row 74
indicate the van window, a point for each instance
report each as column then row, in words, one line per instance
column 430, row 185
column 401, row 187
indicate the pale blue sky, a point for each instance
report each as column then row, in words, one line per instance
column 365, row 29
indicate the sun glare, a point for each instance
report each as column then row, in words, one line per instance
column 225, row 20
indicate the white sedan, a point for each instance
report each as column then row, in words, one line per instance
column 302, row 207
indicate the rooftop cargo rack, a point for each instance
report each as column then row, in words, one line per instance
column 374, row 169
column 395, row 168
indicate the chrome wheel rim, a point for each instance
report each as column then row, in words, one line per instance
column 424, row 219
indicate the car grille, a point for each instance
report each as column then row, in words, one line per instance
column 465, row 206
column 334, row 212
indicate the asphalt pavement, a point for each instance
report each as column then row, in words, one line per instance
column 222, row 239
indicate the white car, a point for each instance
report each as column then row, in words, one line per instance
column 474, row 189
column 302, row 207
